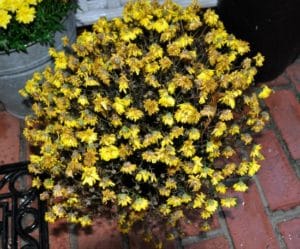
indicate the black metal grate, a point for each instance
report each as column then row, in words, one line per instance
column 22, row 224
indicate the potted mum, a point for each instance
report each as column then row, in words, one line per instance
column 27, row 29
column 148, row 117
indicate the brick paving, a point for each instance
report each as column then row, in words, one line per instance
column 268, row 214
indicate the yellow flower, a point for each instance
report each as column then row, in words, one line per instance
column 186, row 198
column 176, row 132
column 130, row 34
column 219, row 129
column 121, row 104
column 85, row 221
column 229, row 98
column 197, row 165
column 199, row 200
column 253, row 168
column 108, row 139
column 135, row 143
column 88, row 136
column 187, row 113
column 174, row 201
column 83, row 100
column 101, row 104
column 169, row 34
column 171, row 183
column 210, row 17
column 50, row 217
column 108, row 153
column 123, row 83
column 152, row 138
column 65, row 41
column 221, row 188
column 144, row 176
column 73, row 200
column 58, row 210
column 164, row 209
column 133, row 50
column 135, row 65
column 211, row 205
column 256, row 152
column 228, row 202
column 128, row 168
column 48, row 183
column 246, row 138
column 125, row 151
column 108, row 195
column 240, row 46
column 216, row 178
column 184, row 41
column 194, row 134
column 72, row 218
column 259, row 59
column 124, row 200
column 140, row 204
column 60, row 60
column 36, row 182
column 175, row 217
column 165, row 99
column 226, row 115
column 151, row 80
column 168, row 119
column 265, row 93
column 160, row 25
column 205, row 75
column 240, row 186
column 164, row 191
column 25, row 14
column 4, row 18
column 125, row 132
column 89, row 176
column 188, row 149
column 228, row 169
column 234, row 129
column 173, row 49
column 134, row 114
column 243, row 168
column 228, row 152
column 205, row 227
column 165, row 63
column 194, row 182
column 73, row 166
column 152, row 68
column 116, row 120
column 206, row 214
column 212, row 147
column 105, row 182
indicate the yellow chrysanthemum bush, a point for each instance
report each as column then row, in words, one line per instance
column 148, row 117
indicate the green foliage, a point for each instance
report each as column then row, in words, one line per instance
column 48, row 20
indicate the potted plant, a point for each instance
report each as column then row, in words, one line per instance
column 271, row 26
column 27, row 30
column 133, row 121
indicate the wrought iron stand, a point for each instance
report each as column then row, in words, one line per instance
column 22, row 224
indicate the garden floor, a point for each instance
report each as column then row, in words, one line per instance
column 268, row 214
